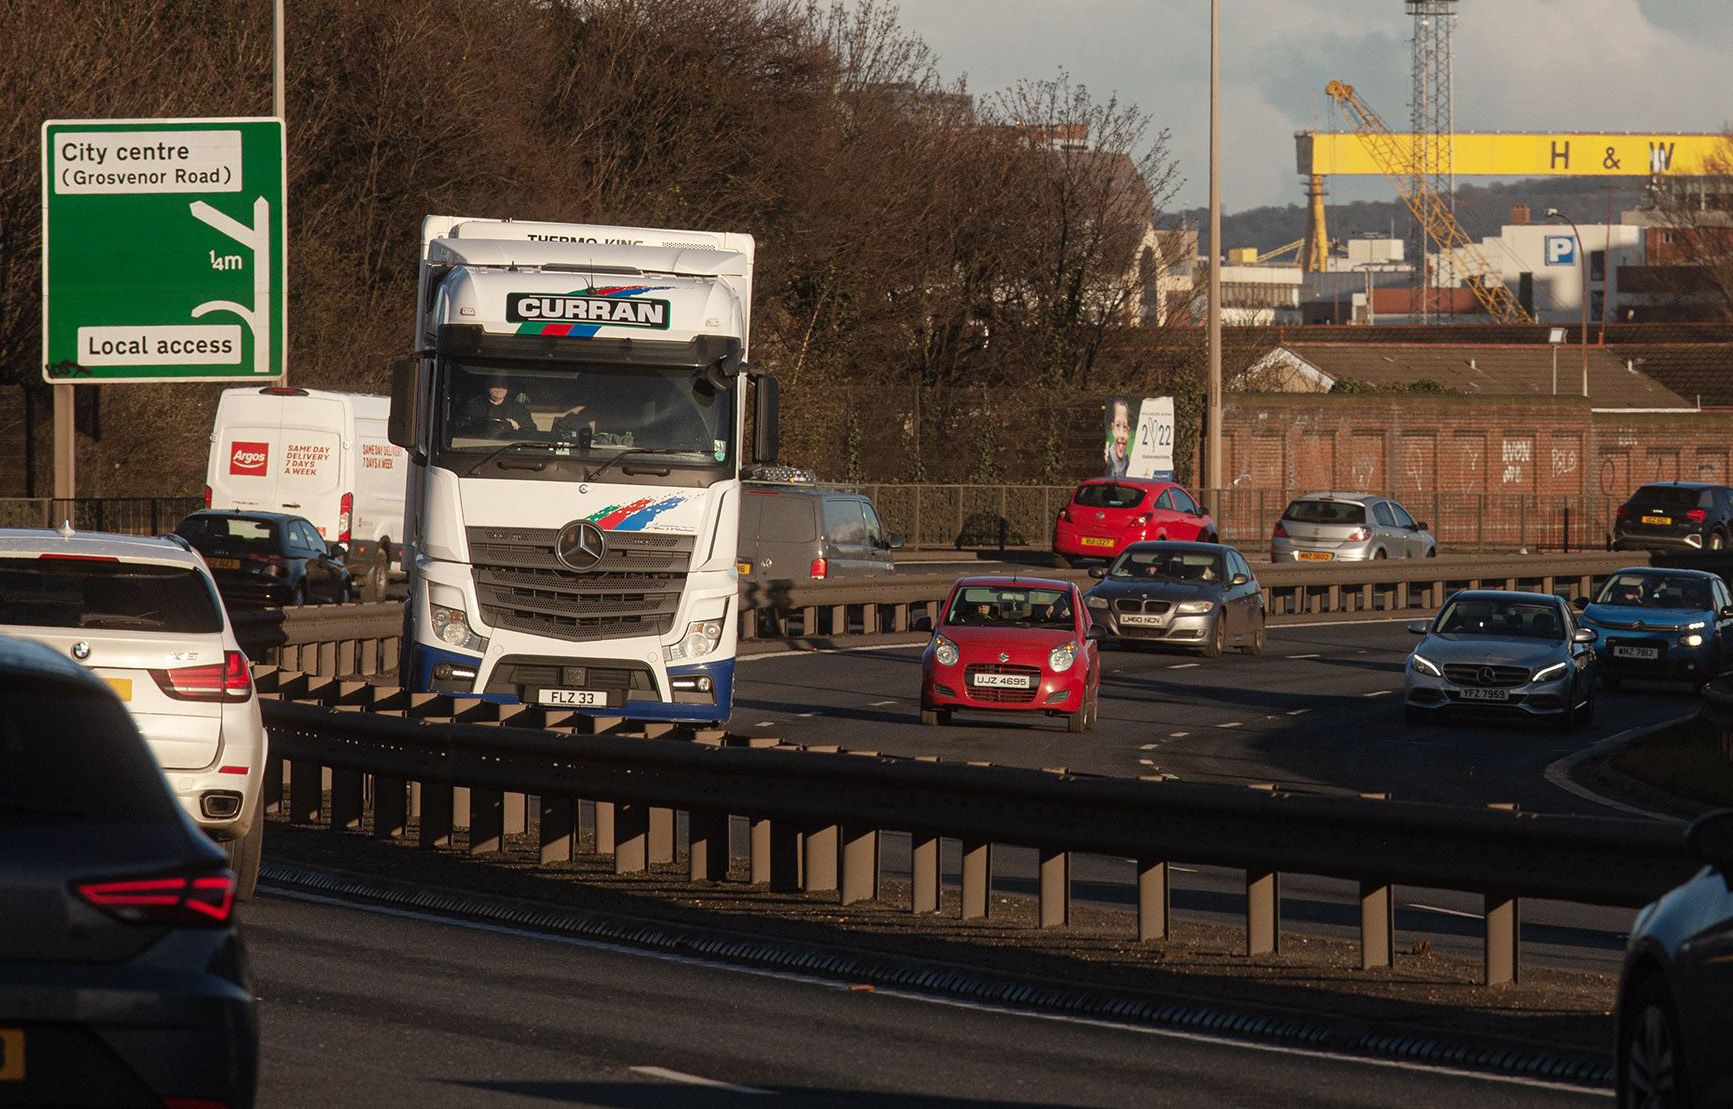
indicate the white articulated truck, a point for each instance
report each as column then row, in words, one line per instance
column 573, row 414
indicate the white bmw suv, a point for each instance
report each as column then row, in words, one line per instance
column 144, row 615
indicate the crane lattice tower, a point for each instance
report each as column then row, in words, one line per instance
column 1430, row 120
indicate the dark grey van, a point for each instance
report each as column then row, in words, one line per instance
column 802, row 533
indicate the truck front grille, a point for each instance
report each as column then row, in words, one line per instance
column 633, row 591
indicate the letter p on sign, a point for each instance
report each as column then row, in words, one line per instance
column 1561, row 250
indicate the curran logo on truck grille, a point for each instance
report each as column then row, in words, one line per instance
column 248, row 459
column 609, row 311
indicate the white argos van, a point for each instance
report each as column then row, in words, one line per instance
column 317, row 454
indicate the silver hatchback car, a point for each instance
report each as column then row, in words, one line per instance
column 1348, row 527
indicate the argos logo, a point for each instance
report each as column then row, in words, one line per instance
column 248, row 459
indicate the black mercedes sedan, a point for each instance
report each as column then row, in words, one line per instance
column 122, row 977
column 267, row 558
column 1201, row 596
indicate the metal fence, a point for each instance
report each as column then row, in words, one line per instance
column 1022, row 516
column 127, row 515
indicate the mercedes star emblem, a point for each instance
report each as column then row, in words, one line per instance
column 1488, row 675
column 580, row 546
column 81, row 650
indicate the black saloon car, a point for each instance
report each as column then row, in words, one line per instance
column 268, row 558
column 122, row 979
column 1675, row 515
column 1197, row 595
column 1675, row 1010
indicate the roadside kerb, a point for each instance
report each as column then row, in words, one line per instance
column 816, row 818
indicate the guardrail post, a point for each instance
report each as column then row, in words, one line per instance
column 977, row 879
column 486, row 821
column 661, row 835
column 1152, row 900
column 924, row 873
column 759, row 851
column 517, row 821
column 345, row 799
column 631, row 837
column 1502, row 938
column 557, row 825
column 785, row 852
column 860, row 865
column 707, row 845
column 304, row 792
column 436, row 815
column 1377, row 926
column 1263, row 912
column 605, row 838
column 1055, row 898
column 820, row 849
column 271, row 786
column 390, row 807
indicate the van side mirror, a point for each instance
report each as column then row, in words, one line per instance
column 766, row 419
column 405, row 405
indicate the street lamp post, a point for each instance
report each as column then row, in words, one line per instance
column 1213, row 400
column 1555, row 337
column 1582, row 264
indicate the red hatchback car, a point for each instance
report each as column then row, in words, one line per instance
column 1104, row 515
column 1013, row 644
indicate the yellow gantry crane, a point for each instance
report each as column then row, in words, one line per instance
column 1430, row 209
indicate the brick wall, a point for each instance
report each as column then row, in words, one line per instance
column 1414, row 446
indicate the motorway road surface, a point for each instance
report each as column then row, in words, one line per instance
column 364, row 1007
column 1321, row 709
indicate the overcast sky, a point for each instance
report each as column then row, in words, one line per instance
column 1520, row 65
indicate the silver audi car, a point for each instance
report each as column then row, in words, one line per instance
column 1499, row 653
column 1348, row 527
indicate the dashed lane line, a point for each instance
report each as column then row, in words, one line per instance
column 696, row 1080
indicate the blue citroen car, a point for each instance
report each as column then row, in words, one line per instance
column 1661, row 624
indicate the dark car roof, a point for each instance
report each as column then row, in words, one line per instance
column 1174, row 545
column 1503, row 595
column 1668, row 571
column 244, row 514
column 1012, row 579
column 1682, row 485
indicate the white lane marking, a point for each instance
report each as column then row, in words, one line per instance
column 1379, row 693
column 765, row 724
column 1446, row 912
column 925, row 999
column 1298, row 712
column 1306, row 656
column 696, row 1080
column 1178, row 735
column 1146, row 762
column 1230, row 724
column 806, row 715
column 1559, row 772
column 1150, row 746
column 1184, row 665
column 876, row 704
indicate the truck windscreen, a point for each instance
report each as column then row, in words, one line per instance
column 669, row 417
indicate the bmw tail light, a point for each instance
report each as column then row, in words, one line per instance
column 345, row 515
column 1280, row 532
column 185, row 900
column 207, row 496
column 1696, row 515
column 229, row 680
column 818, row 569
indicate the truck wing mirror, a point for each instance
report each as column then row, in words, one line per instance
column 405, row 405
column 766, row 419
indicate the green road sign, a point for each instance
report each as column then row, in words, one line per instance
column 163, row 250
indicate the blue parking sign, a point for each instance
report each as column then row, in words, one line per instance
column 1561, row 250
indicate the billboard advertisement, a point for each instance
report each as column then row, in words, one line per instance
column 1139, row 437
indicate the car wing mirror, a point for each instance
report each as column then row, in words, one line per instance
column 1417, row 627
column 1239, row 579
column 1583, row 635
column 1711, row 838
column 1727, row 612
column 1095, row 632
column 1098, row 571
column 1579, row 603
column 923, row 624
column 894, row 541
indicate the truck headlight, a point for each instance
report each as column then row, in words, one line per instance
column 944, row 651
column 1062, row 658
column 701, row 638
column 1192, row 608
column 451, row 626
